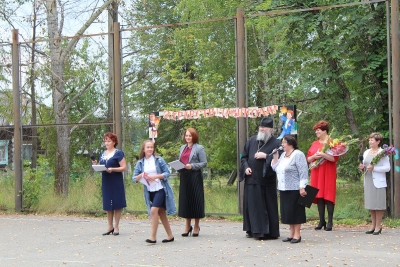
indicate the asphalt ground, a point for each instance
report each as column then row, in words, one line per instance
column 29, row 240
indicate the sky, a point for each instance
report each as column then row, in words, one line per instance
column 76, row 14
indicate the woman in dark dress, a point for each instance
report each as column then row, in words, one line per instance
column 191, row 189
column 112, row 187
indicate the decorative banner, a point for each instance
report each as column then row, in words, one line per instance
column 251, row 112
column 287, row 116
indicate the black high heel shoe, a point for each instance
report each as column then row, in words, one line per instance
column 375, row 233
column 328, row 227
column 320, row 225
column 188, row 233
column 196, row 234
column 109, row 232
column 370, row 232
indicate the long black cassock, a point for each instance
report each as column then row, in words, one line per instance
column 260, row 203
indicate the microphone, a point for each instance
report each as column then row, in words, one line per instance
column 92, row 157
column 275, row 150
column 361, row 158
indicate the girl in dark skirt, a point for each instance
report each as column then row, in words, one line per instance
column 191, row 189
column 152, row 171
column 292, row 172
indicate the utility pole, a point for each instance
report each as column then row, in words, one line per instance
column 396, row 101
column 17, row 122
column 112, row 18
column 241, row 96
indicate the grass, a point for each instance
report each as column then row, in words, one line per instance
column 221, row 200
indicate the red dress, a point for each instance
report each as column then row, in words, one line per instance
column 323, row 177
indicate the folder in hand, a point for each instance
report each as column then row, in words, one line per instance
column 177, row 165
column 99, row 168
column 307, row 200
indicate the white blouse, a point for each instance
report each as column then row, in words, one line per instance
column 150, row 169
column 280, row 172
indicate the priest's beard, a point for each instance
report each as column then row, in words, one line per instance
column 263, row 136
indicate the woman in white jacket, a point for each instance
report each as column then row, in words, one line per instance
column 375, row 182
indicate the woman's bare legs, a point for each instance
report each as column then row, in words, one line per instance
column 188, row 224
column 373, row 220
column 117, row 216
column 110, row 215
column 291, row 235
column 296, row 230
column 196, row 228
column 154, row 222
column 165, row 222
column 378, row 219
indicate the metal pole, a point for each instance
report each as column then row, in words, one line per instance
column 241, row 97
column 17, row 122
column 117, row 82
column 396, row 100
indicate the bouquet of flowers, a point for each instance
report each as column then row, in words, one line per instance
column 335, row 147
column 386, row 151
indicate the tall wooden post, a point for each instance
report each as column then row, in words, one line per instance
column 117, row 83
column 112, row 18
column 396, row 101
column 241, row 95
column 17, row 122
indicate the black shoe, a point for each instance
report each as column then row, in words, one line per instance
column 168, row 240
column 109, row 232
column 116, row 233
column 196, row 234
column 249, row 235
column 294, row 240
column 287, row 239
column 151, row 241
column 188, row 233
column 320, row 225
column 370, row 232
column 328, row 227
column 378, row 233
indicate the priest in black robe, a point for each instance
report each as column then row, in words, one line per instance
column 260, row 200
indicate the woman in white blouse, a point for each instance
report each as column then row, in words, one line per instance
column 292, row 172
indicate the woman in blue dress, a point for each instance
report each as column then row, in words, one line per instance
column 113, row 190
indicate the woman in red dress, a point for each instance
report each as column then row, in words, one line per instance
column 323, row 176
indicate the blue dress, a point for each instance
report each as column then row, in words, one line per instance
column 112, row 186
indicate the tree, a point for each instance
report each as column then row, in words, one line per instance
column 59, row 55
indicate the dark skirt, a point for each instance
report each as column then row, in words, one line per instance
column 113, row 191
column 157, row 198
column 191, row 194
column 291, row 212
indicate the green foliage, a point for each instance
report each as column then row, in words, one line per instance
column 36, row 183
